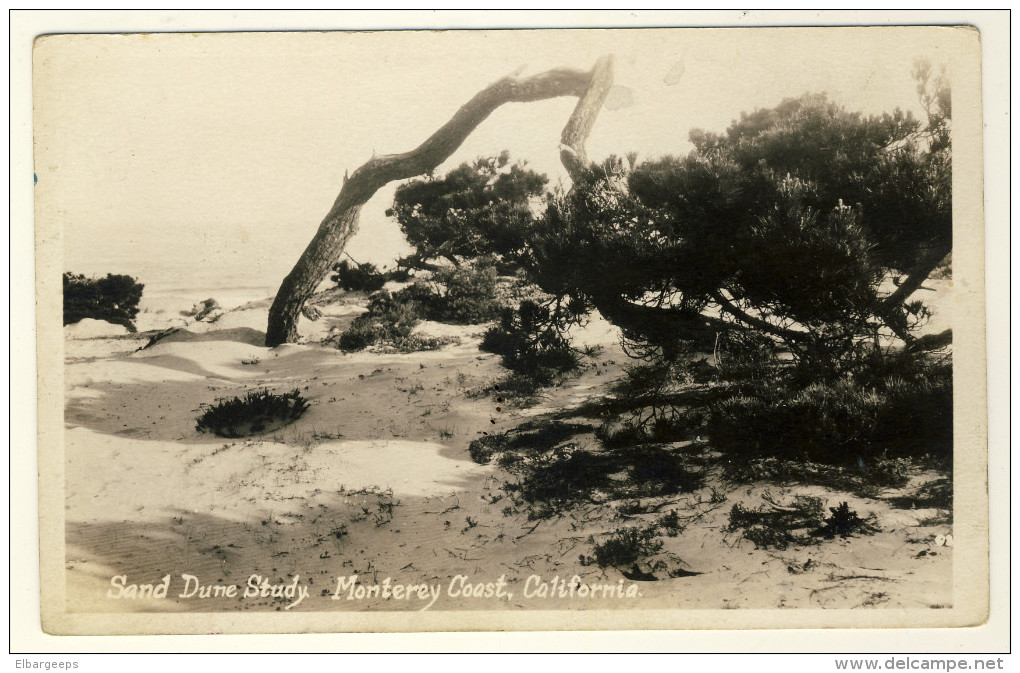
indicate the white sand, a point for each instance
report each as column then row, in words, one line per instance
column 375, row 480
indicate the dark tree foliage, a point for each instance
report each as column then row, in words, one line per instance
column 462, row 296
column 786, row 224
column 476, row 209
column 363, row 277
column 113, row 299
column 532, row 342
column 259, row 411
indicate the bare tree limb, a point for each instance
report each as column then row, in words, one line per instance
column 575, row 134
column 341, row 223
column 738, row 313
column 890, row 308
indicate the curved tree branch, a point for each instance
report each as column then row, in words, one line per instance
column 341, row 223
column 890, row 309
column 660, row 326
column 741, row 315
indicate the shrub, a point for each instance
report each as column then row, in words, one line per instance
column 624, row 547
column 822, row 423
column 361, row 334
column 468, row 299
column 113, row 299
column 841, row 422
column 844, row 521
column 864, row 478
column 388, row 319
column 360, row 277
column 462, row 296
column 775, row 526
column 531, row 342
column 257, row 412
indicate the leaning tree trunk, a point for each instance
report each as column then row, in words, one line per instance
column 341, row 223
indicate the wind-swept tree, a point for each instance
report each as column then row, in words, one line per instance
column 341, row 223
column 787, row 225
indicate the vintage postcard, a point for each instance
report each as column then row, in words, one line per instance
column 510, row 330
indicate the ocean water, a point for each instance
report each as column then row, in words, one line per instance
column 234, row 265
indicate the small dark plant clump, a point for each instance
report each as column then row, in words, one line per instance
column 257, row 412
column 844, row 521
column 774, row 526
column 364, row 277
column 519, row 390
column 670, row 523
column 389, row 320
column 113, row 299
column 461, row 296
column 531, row 341
column 624, row 547
column 841, row 422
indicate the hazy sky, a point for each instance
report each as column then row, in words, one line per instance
column 201, row 158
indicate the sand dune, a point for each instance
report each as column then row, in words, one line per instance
column 375, row 481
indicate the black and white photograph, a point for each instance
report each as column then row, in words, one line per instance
column 510, row 329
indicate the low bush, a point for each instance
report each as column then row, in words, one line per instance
column 780, row 526
column 390, row 319
column 362, row 333
column 777, row 527
column 843, row 522
column 531, row 342
column 840, row 422
column 623, row 547
column 462, row 296
column 113, row 299
column 358, row 277
column 257, row 412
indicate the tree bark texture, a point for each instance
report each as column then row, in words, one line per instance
column 341, row 223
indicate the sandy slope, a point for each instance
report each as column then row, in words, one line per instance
column 375, row 481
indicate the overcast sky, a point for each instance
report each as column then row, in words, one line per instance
column 163, row 154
